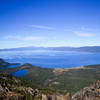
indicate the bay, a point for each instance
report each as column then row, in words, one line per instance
column 51, row 59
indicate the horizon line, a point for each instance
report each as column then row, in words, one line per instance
column 49, row 47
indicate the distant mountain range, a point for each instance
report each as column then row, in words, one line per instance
column 79, row 49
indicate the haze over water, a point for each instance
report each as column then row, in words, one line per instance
column 51, row 59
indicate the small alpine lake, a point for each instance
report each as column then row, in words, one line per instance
column 20, row 73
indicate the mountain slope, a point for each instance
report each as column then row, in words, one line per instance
column 62, row 79
column 11, row 88
column 56, row 83
column 88, row 93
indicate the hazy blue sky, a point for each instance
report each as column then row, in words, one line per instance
column 49, row 23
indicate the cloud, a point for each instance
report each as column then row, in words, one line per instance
column 24, row 38
column 89, row 29
column 86, row 29
column 83, row 34
column 12, row 37
column 32, row 38
column 41, row 27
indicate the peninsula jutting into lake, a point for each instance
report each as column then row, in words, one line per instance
column 53, row 57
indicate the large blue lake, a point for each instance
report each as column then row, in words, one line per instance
column 51, row 59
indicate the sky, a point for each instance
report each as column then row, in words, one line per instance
column 49, row 23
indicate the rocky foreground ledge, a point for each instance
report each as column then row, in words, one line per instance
column 12, row 88
column 88, row 93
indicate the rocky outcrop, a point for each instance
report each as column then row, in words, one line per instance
column 11, row 96
column 88, row 93
column 56, row 97
column 12, row 88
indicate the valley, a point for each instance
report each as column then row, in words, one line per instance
column 63, row 79
column 62, row 83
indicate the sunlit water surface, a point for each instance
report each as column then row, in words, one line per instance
column 51, row 59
